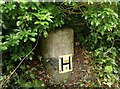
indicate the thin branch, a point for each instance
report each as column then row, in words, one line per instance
column 9, row 76
column 72, row 12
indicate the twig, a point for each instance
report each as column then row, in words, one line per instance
column 72, row 12
column 114, row 41
column 98, row 81
column 9, row 76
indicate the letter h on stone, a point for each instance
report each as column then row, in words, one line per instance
column 65, row 63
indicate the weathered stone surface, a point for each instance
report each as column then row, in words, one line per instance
column 59, row 42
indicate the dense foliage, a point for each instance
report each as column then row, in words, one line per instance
column 96, row 27
column 103, row 39
column 22, row 24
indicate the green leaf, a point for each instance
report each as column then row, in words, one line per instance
column 30, row 57
column 2, row 2
column 108, row 69
column 25, row 39
column 1, row 78
column 97, row 23
column 37, row 83
column 45, row 34
column 3, row 48
column 102, row 33
column 109, row 84
column 32, row 39
column 15, row 57
column 32, row 76
column 103, row 17
column 49, row 20
column 19, row 23
column 44, row 23
column 28, row 84
column 86, row 17
column 90, row 2
column 33, row 34
column 92, row 22
column 37, row 22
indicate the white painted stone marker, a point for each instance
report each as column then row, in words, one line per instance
column 58, row 48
